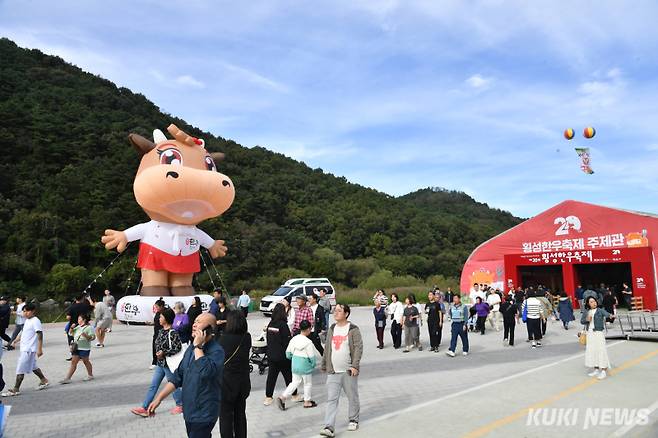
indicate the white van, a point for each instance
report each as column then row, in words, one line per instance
column 297, row 286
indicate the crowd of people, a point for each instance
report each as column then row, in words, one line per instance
column 205, row 356
column 87, row 320
column 532, row 306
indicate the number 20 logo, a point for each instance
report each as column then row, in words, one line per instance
column 566, row 224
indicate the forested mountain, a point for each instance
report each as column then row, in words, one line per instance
column 67, row 175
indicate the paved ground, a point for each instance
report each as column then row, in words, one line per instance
column 487, row 393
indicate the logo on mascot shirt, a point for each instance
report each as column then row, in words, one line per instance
column 191, row 242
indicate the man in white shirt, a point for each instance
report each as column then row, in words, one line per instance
column 341, row 361
column 476, row 292
column 20, row 320
column 243, row 302
column 31, row 348
column 493, row 300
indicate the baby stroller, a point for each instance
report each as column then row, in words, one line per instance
column 258, row 355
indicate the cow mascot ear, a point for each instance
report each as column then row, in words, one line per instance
column 142, row 145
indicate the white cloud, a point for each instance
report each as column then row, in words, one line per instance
column 392, row 94
column 478, row 81
column 189, row 81
column 255, row 78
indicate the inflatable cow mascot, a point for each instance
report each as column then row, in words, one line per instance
column 178, row 186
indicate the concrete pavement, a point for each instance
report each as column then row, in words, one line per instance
column 488, row 393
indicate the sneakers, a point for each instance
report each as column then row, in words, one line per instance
column 534, row 345
column 176, row 410
column 140, row 411
column 98, row 344
column 327, row 431
column 465, row 353
column 594, row 373
column 43, row 385
column 450, row 353
column 13, row 393
column 602, row 375
column 406, row 350
column 268, row 401
column 280, row 403
column 88, row 378
column 65, row 382
column 353, row 426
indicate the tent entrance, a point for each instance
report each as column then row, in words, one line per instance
column 548, row 276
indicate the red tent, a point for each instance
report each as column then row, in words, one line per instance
column 571, row 244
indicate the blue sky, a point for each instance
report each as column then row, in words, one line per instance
column 471, row 96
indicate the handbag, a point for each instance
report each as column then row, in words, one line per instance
column 236, row 350
column 74, row 345
column 174, row 360
column 582, row 338
column 524, row 314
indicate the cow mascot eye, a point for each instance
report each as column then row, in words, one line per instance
column 171, row 156
column 210, row 164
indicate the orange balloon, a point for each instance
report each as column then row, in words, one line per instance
column 589, row 132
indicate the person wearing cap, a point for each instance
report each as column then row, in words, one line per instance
column 303, row 313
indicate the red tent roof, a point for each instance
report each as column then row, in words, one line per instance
column 570, row 225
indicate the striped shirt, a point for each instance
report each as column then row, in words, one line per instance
column 535, row 309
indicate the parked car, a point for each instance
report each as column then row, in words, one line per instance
column 297, row 286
